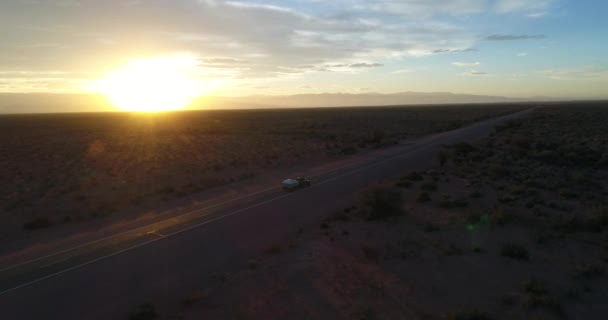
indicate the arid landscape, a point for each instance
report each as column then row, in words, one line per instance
column 65, row 168
column 303, row 159
column 512, row 227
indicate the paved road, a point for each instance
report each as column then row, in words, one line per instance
column 167, row 260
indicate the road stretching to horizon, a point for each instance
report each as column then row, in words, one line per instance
column 165, row 261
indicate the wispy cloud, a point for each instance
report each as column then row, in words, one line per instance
column 240, row 40
column 509, row 37
column 579, row 73
column 508, row 6
column 466, row 64
column 474, row 73
column 402, row 71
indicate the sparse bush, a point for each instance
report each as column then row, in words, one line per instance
column 478, row 250
column 430, row 227
column 383, row 202
column 341, row 216
column 443, row 157
column 538, row 297
column 469, row 315
column 451, row 250
column 515, row 251
column 578, row 224
column 463, row 149
column 194, row 298
column 414, row 176
column 37, row 223
column 473, row 218
column 429, row 186
column 144, row 312
column 599, row 215
column 378, row 135
column 476, row 194
column 500, row 217
column 423, row 197
column 452, row 204
column 535, row 287
column 404, row 184
column 348, row 151
column 589, row 271
column 274, row 250
column 370, row 252
column 166, row 190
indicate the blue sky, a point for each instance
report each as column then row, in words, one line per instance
column 518, row 48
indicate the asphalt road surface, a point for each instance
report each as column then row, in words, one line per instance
column 164, row 261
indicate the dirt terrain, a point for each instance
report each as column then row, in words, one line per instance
column 67, row 168
column 512, row 227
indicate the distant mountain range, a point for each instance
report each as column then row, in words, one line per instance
column 347, row 99
column 50, row 103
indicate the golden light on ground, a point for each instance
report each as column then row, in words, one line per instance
column 153, row 84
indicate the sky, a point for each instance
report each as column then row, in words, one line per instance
column 515, row 48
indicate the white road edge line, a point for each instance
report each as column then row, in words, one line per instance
column 141, row 244
column 133, row 230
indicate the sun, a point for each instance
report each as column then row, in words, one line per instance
column 153, row 84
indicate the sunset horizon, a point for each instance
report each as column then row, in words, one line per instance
column 507, row 48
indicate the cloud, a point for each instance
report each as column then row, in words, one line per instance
column 454, row 50
column 402, row 71
column 538, row 14
column 508, row 6
column 474, row 73
column 522, row 54
column 466, row 64
column 270, row 40
column 510, row 37
column 241, row 39
column 579, row 73
column 365, row 65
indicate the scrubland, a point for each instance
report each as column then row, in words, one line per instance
column 512, row 227
column 66, row 168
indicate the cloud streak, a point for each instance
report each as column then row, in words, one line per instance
column 511, row 37
column 466, row 64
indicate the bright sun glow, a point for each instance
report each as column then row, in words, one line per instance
column 153, row 85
